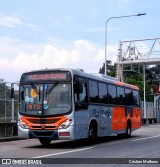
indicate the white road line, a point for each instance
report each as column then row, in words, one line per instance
column 66, row 152
column 146, row 138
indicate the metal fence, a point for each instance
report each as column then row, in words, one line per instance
column 7, row 124
column 150, row 115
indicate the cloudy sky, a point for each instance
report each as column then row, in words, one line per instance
column 37, row 34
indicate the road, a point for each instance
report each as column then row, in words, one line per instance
column 144, row 143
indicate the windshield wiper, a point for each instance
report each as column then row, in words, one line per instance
column 51, row 88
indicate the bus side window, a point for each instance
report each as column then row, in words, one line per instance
column 120, row 95
column 135, row 97
column 93, row 91
column 112, row 94
column 80, row 95
column 128, row 96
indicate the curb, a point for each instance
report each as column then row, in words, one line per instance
column 7, row 139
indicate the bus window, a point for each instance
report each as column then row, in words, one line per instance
column 93, row 91
column 103, row 93
column 128, row 97
column 135, row 97
column 80, row 95
column 120, row 95
column 112, row 94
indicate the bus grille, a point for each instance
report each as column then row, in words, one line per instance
column 39, row 121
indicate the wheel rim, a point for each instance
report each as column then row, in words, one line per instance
column 92, row 133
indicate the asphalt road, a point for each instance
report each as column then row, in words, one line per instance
column 144, row 143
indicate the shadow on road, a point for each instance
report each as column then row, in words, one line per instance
column 81, row 143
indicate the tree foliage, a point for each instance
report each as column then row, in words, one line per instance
column 111, row 69
column 137, row 79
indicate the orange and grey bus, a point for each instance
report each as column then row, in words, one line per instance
column 71, row 104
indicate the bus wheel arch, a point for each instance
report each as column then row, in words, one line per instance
column 93, row 129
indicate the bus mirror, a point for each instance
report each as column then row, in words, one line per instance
column 12, row 93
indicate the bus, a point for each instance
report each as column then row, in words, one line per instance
column 70, row 104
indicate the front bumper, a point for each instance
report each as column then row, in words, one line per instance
column 48, row 134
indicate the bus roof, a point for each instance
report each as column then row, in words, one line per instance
column 80, row 72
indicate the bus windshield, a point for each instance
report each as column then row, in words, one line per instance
column 45, row 99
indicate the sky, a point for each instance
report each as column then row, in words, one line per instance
column 39, row 34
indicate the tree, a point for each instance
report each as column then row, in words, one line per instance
column 111, row 69
column 137, row 79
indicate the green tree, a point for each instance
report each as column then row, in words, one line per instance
column 137, row 79
column 111, row 69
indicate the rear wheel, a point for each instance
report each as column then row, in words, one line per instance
column 128, row 129
column 45, row 142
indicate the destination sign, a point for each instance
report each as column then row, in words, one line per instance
column 47, row 76
column 34, row 77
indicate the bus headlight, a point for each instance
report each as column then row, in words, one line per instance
column 66, row 124
column 23, row 124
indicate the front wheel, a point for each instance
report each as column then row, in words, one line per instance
column 92, row 134
column 45, row 142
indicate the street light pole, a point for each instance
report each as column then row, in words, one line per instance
column 139, row 14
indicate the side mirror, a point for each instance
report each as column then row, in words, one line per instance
column 12, row 91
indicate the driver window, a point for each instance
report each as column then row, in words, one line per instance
column 80, row 92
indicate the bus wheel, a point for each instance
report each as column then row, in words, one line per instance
column 45, row 142
column 92, row 134
column 128, row 129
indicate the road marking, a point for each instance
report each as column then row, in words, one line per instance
column 65, row 152
column 146, row 138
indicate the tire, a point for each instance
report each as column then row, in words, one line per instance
column 92, row 134
column 128, row 129
column 45, row 142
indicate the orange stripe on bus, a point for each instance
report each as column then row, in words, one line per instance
column 48, row 123
column 118, row 118
column 126, row 85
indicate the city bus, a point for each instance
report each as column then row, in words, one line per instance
column 71, row 104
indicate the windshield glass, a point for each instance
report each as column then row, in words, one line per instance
column 45, row 99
